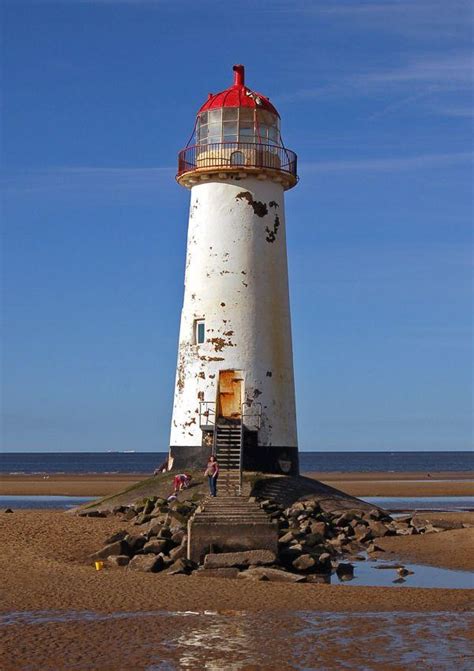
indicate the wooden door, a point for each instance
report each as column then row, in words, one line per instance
column 230, row 394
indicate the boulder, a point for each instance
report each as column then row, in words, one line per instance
column 378, row 529
column 119, row 560
column 319, row 528
column 129, row 515
column 362, row 533
column 374, row 548
column 313, row 539
column 287, row 538
column 8, row 510
column 178, row 552
column 237, row 559
column 148, row 563
column 217, row 572
column 91, row 513
column 304, row 563
column 143, row 518
column 154, row 528
column 135, row 542
column 178, row 536
column 155, row 546
column 345, row 571
column 118, row 536
column 180, row 566
column 271, row 574
column 117, row 548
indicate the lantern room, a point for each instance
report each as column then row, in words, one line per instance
column 237, row 130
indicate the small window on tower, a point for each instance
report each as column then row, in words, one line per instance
column 199, row 331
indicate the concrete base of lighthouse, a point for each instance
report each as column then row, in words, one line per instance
column 260, row 458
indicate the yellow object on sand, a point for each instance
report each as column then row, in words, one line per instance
column 99, row 565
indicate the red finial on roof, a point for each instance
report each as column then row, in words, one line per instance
column 238, row 95
column 239, row 75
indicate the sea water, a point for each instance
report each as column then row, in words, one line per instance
column 146, row 462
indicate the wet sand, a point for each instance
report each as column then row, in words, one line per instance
column 45, row 566
column 356, row 484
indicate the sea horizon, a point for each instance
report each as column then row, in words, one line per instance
column 323, row 461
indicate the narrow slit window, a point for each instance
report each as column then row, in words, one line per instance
column 200, row 331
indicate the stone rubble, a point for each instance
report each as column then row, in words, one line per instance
column 312, row 544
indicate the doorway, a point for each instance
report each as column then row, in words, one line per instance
column 230, row 394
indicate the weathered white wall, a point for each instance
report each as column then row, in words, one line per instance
column 237, row 280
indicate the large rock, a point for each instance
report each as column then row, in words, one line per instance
column 287, row 538
column 180, row 566
column 146, row 563
column 378, row 529
column 135, row 542
column 319, row 528
column 117, row 536
column 362, row 533
column 272, row 574
column 240, row 559
column 345, row 571
column 217, row 572
column 117, row 548
column 178, row 552
column 90, row 513
column 304, row 563
column 119, row 560
column 156, row 546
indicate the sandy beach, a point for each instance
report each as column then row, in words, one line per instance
column 356, row 484
column 114, row 619
column 117, row 619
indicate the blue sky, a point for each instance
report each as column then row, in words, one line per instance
column 376, row 99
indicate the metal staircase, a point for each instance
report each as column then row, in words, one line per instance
column 228, row 439
column 228, row 450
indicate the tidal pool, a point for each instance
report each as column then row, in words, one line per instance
column 39, row 501
column 433, row 503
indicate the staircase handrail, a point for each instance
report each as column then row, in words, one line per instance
column 207, row 410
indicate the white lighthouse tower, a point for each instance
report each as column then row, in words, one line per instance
column 234, row 392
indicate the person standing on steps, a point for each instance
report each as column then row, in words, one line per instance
column 212, row 472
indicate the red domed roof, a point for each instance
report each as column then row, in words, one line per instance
column 238, row 95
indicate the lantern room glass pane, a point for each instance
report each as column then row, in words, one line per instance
column 215, row 116
column 230, row 113
column 267, row 118
column 203, row 117
column 246, row 114
column 230, row 128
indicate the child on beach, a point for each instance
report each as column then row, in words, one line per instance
column 212, row 472
column 181, row 481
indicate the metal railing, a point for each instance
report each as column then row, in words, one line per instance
column 237, row 154
column 207, row 414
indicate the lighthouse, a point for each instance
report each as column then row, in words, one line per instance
column 234, row 393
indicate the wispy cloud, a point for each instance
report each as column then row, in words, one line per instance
column 452, row 71
column 87, row 179
column 417, row 18
column 387, row 164
column 434, row 74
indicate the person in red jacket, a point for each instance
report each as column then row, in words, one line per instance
column 212, row 472
column 181, row 481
